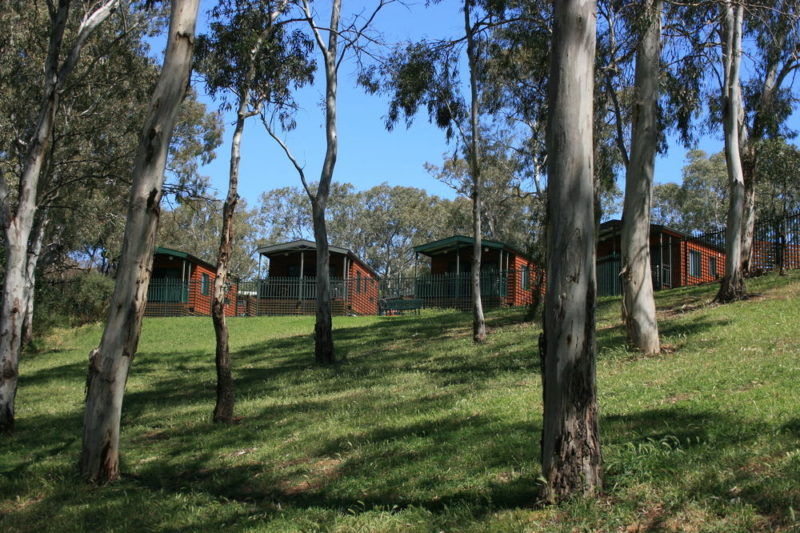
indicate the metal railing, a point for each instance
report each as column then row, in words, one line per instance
column 776, row 243
column 272, row 296
column 454, row 291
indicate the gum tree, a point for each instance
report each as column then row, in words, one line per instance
column 334, row 42
column 18, row 210
column 571, row 460
column 243, row 56
column 110, row 362
column 732, row 15
column 638, row 303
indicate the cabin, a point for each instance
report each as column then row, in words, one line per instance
column 183, row 285
column 290, row 287
column 676, row 259
column 508, row 276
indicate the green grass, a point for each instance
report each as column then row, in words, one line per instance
column 420, row 430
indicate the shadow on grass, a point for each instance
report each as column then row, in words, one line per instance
column 422, row 449
column 701, row 456
column 385, row 468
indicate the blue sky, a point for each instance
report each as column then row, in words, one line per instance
column 368, row 154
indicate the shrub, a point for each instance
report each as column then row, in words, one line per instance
column 79, row 300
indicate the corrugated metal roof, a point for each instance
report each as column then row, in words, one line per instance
column 303, row 245
column 459, row 242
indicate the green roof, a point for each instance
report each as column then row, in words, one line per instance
column 303, row 245
column 160, row 250
column 453, row 243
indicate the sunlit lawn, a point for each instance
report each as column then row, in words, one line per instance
column 420, row 430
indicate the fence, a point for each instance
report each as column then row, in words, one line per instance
column 687, row 260
column 273, row 296
column 354, row 296
column 454, row 291
column 776, row 243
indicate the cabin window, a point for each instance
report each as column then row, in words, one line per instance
column 695, row 264
column 205, row 282
column 526, row 278
column 712, row 267
column 358, row 282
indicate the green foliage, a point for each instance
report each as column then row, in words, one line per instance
column 420, row 429
column 512, row 210
column 80, row 299
column 381, row 224
column 777, row 179
column 242, row 35
column 700, row 204
column 422, row 74
column 194, row 226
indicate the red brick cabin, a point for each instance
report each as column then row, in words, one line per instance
column 676, row 259
column 290, row 286
column 183, row 285
column 508, row 276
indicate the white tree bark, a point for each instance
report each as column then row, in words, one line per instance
column 732, row 287
column 478, row 320
column 571, row 460
column 323, row 329
column 18, row 221
column 109, row 363
column 638, row 303
column 223, row 409
column 34, row 251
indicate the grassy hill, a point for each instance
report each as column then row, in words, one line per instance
column 420, row 430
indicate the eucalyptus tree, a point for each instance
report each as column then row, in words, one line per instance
column 193, row 226
column 571, row 459
column 638, row 302
column 18, row 209
column 80, row 199
column 334, row 52
column 110, row 362
column 732, row 18
column 512, row 198
column 698, row 204
column 426, row 73
column 768, row 96
column 244, row 55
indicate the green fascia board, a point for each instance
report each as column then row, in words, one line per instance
column 453, row 243
column 297, row 246
column 304, row 245
column 160, row 250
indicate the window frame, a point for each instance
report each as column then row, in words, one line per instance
column 695, row 263
column 526, row 278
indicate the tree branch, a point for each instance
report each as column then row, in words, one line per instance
column 87, row 27
column 289, row 155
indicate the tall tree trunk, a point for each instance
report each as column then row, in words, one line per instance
column 777, row 67
column 34, row 251
column 571, row 460
column 478, row 320
column 323, row 329
column 749, row 216
column 638, row 303
column 109, row 363
column 732, row 287
column 223, row 410
column 18, row 222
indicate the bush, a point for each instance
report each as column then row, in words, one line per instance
column 73, row 302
